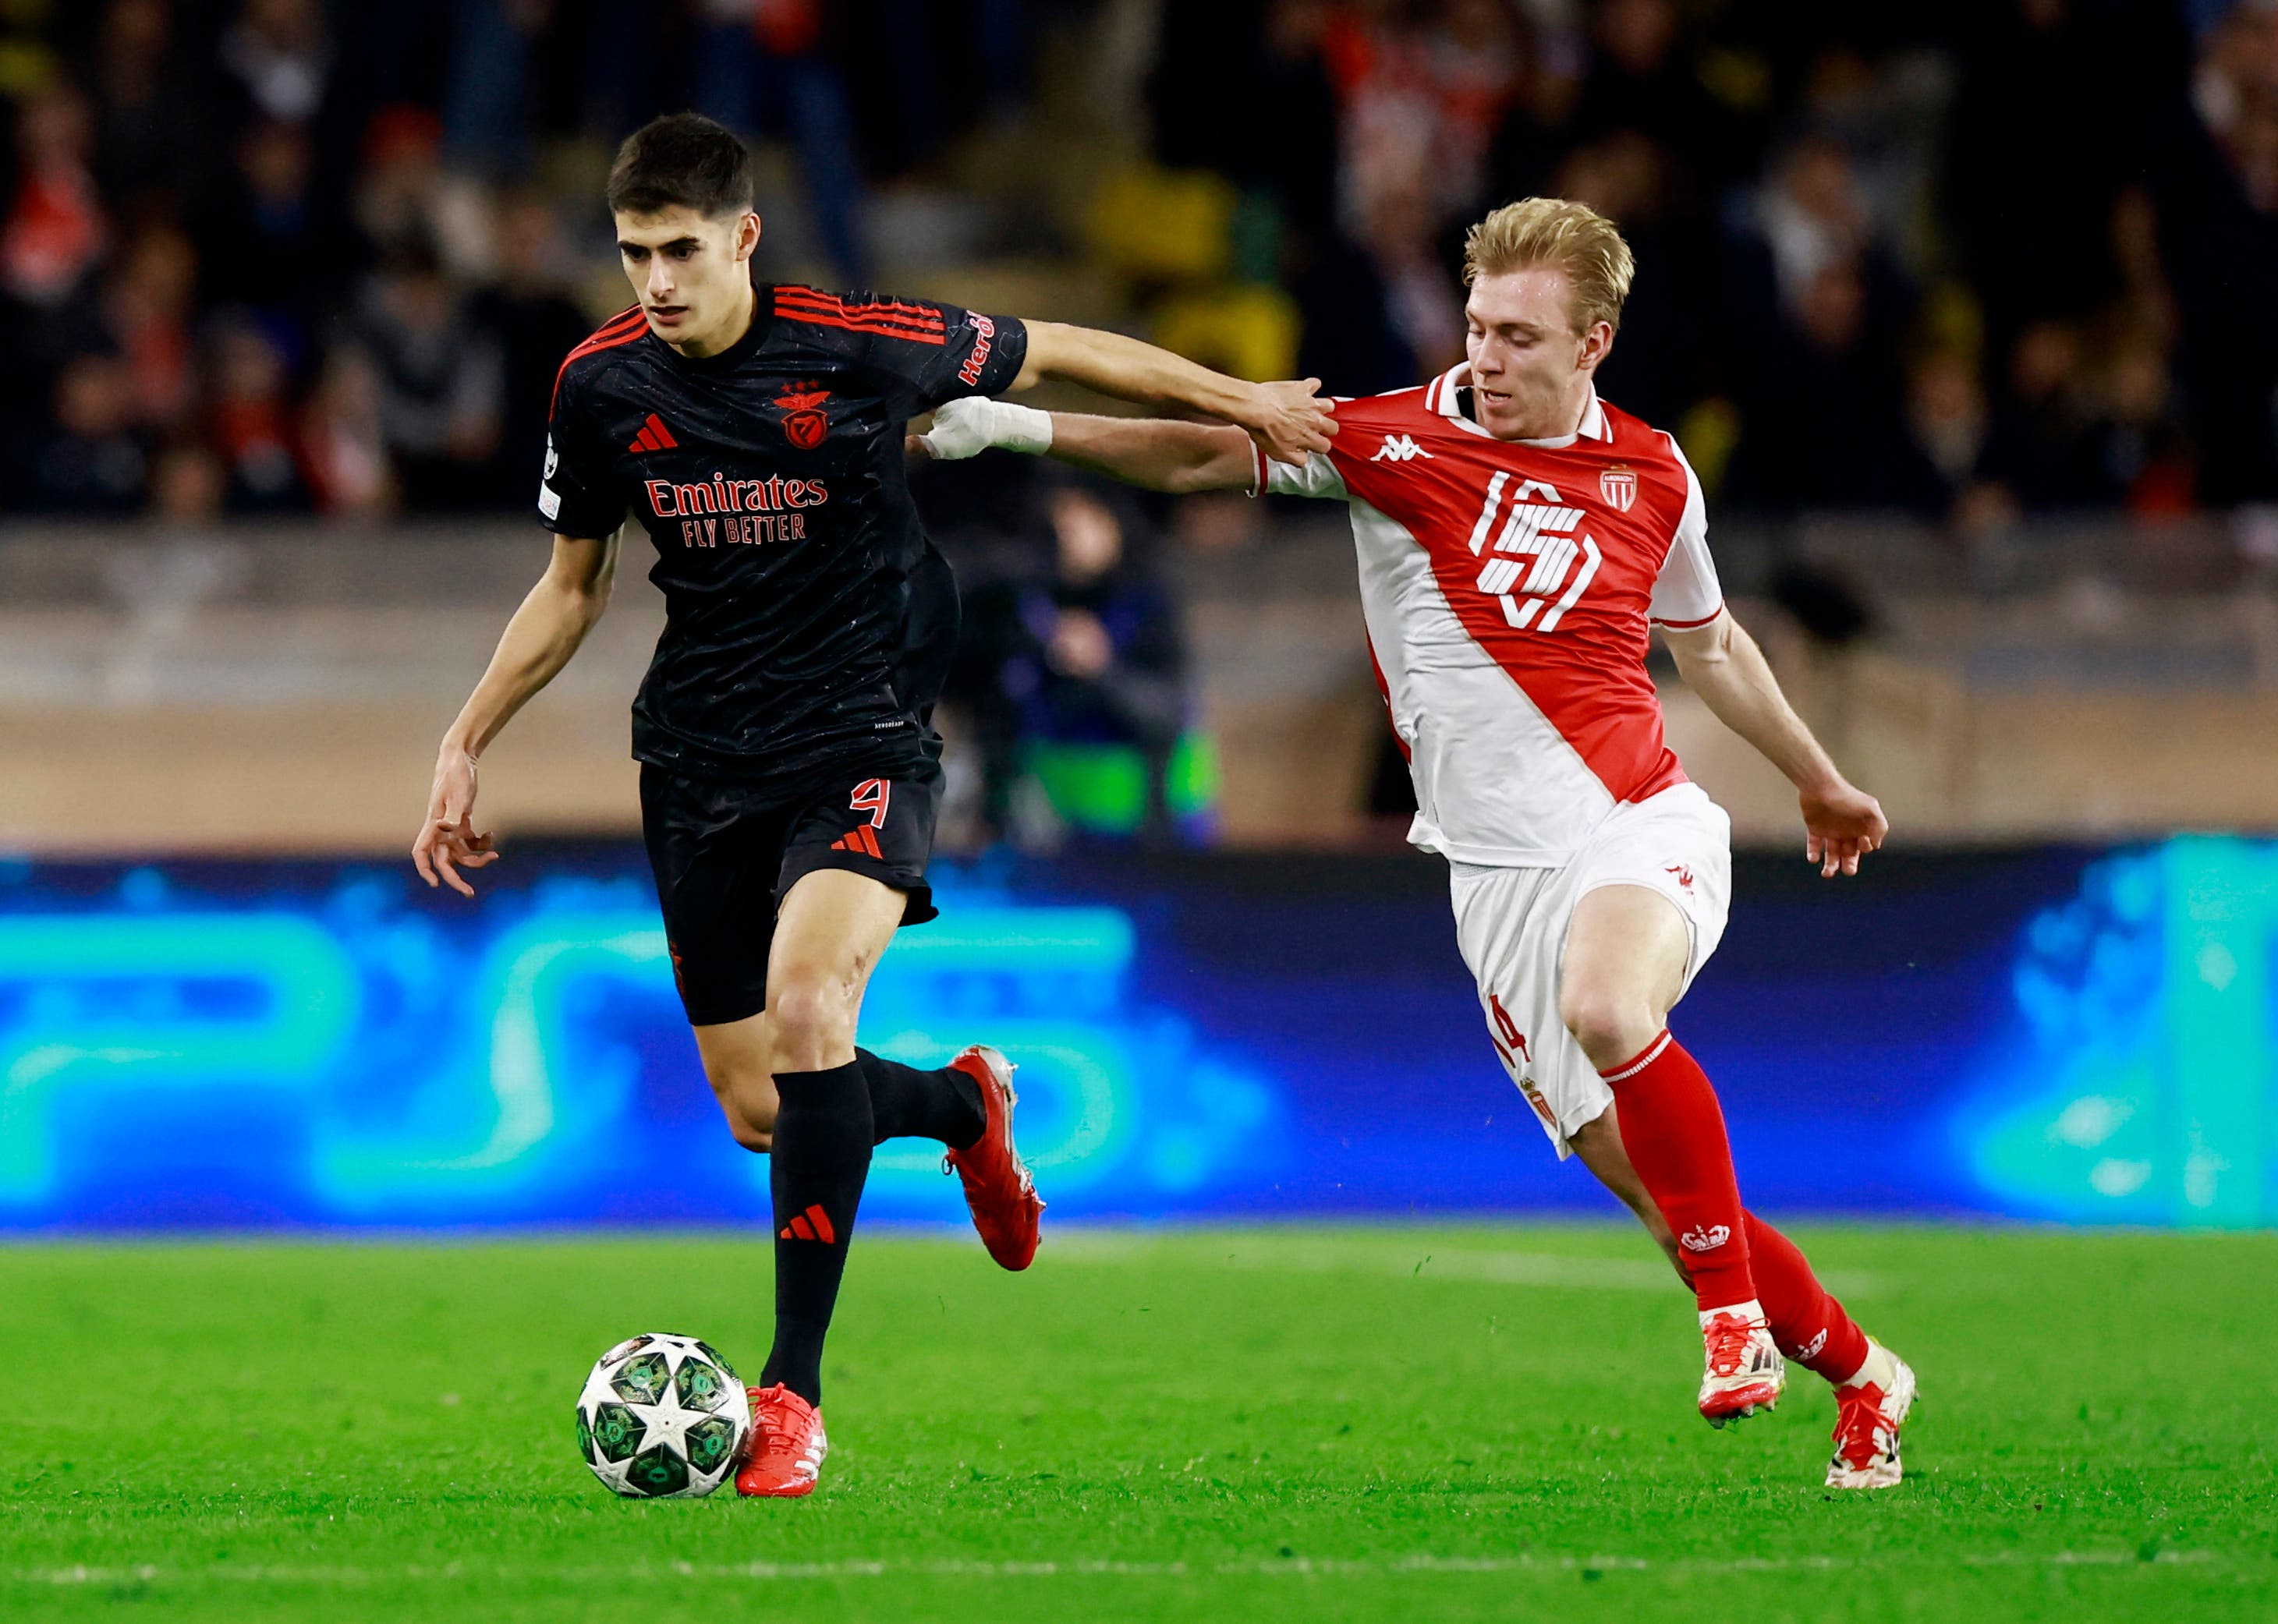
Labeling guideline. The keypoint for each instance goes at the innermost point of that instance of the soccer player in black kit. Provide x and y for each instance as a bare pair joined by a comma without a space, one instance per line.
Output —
789,777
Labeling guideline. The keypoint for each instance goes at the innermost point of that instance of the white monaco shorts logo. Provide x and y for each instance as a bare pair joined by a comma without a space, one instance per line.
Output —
1537,567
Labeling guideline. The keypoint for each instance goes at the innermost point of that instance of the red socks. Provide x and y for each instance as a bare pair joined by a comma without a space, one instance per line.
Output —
1674,1135
1809,1325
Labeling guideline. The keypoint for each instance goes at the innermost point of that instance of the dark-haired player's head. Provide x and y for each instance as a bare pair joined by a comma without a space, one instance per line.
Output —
680,193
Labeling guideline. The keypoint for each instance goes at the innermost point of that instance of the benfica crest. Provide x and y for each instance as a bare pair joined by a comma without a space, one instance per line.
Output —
1618,486
804,424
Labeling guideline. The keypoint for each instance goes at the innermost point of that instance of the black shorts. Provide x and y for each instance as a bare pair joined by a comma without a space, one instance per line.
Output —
726,854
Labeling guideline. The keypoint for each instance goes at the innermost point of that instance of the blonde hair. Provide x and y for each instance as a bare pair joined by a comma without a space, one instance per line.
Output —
1567,236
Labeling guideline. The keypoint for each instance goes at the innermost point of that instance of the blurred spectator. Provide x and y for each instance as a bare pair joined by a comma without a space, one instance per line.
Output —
1640,79
2045,447
405,197
759,67
279,60
1418,100
271,241
2215,185
441,383
250,424
147,125
1660,364
2146,455
1082,670
343,444
56,228
1816,307
146,308
537,324
486,112
1822,422
187,487
94,465
2047,110
1947,417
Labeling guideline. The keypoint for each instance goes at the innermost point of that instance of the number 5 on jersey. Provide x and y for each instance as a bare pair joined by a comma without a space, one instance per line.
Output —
1532,562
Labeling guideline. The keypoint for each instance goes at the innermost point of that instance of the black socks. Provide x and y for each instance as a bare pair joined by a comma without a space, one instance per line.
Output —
821,1155
908,1103
826,1123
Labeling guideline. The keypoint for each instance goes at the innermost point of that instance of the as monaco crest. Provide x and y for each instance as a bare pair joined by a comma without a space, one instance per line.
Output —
1618,486
804,424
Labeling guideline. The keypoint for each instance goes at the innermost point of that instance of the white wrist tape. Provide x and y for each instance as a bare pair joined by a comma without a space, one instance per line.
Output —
966,428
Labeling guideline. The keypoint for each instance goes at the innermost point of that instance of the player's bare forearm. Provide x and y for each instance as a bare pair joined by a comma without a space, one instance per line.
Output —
1722,663
545,631
1158,453
538,641
1287,419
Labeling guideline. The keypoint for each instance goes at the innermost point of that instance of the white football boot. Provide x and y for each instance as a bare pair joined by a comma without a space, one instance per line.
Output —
1745,1371
1869,1411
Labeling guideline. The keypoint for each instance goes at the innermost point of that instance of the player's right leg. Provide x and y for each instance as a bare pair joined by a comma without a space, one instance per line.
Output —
1874,1387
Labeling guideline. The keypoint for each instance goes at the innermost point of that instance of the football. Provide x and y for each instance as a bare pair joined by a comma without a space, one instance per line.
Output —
662,1418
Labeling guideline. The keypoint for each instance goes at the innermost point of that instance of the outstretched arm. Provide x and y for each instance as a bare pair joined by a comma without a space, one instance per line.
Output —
538,641
1286,419
1722,663
1156,452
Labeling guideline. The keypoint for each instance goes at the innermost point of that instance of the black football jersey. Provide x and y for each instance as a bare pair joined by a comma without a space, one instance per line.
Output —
810,620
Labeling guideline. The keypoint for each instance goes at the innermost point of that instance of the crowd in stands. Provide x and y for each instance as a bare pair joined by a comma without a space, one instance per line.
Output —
277,257
1968,258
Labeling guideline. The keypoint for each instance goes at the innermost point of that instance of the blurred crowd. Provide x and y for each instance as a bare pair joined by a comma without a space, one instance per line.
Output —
1970,258
276,256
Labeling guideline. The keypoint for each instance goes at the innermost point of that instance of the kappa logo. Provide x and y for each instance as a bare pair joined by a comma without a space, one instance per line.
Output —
1703,1238
1684,874
804,424
1401,448
1618,486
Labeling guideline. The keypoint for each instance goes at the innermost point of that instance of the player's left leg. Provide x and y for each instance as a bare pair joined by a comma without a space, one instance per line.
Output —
1874,1387
829,933
1628,953
943,1104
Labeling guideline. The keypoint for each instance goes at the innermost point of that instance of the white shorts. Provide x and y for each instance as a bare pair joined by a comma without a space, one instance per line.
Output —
1512,924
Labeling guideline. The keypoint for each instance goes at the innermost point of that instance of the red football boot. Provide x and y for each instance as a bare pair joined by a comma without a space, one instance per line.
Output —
997,1187
785,1456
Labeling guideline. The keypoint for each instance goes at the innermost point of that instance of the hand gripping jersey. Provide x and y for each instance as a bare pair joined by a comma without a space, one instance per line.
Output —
810,620
1508,586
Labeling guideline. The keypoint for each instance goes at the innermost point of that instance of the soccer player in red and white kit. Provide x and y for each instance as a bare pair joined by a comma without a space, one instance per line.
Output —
1518,537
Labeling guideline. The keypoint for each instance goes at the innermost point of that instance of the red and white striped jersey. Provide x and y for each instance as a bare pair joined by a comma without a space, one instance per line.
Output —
1508,587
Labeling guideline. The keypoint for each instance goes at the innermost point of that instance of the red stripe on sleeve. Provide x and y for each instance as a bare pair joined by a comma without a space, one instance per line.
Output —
622,328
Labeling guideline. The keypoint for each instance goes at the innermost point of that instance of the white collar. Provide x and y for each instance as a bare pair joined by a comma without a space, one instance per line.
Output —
1441,396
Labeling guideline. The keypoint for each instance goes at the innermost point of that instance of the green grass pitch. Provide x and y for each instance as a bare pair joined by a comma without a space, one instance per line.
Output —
1317,1423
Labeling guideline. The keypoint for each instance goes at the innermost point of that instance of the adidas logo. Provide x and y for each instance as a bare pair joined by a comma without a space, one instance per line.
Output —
653,437
861,838
812,1224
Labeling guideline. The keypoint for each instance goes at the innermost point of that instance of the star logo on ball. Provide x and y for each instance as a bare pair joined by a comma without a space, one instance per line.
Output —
804,424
